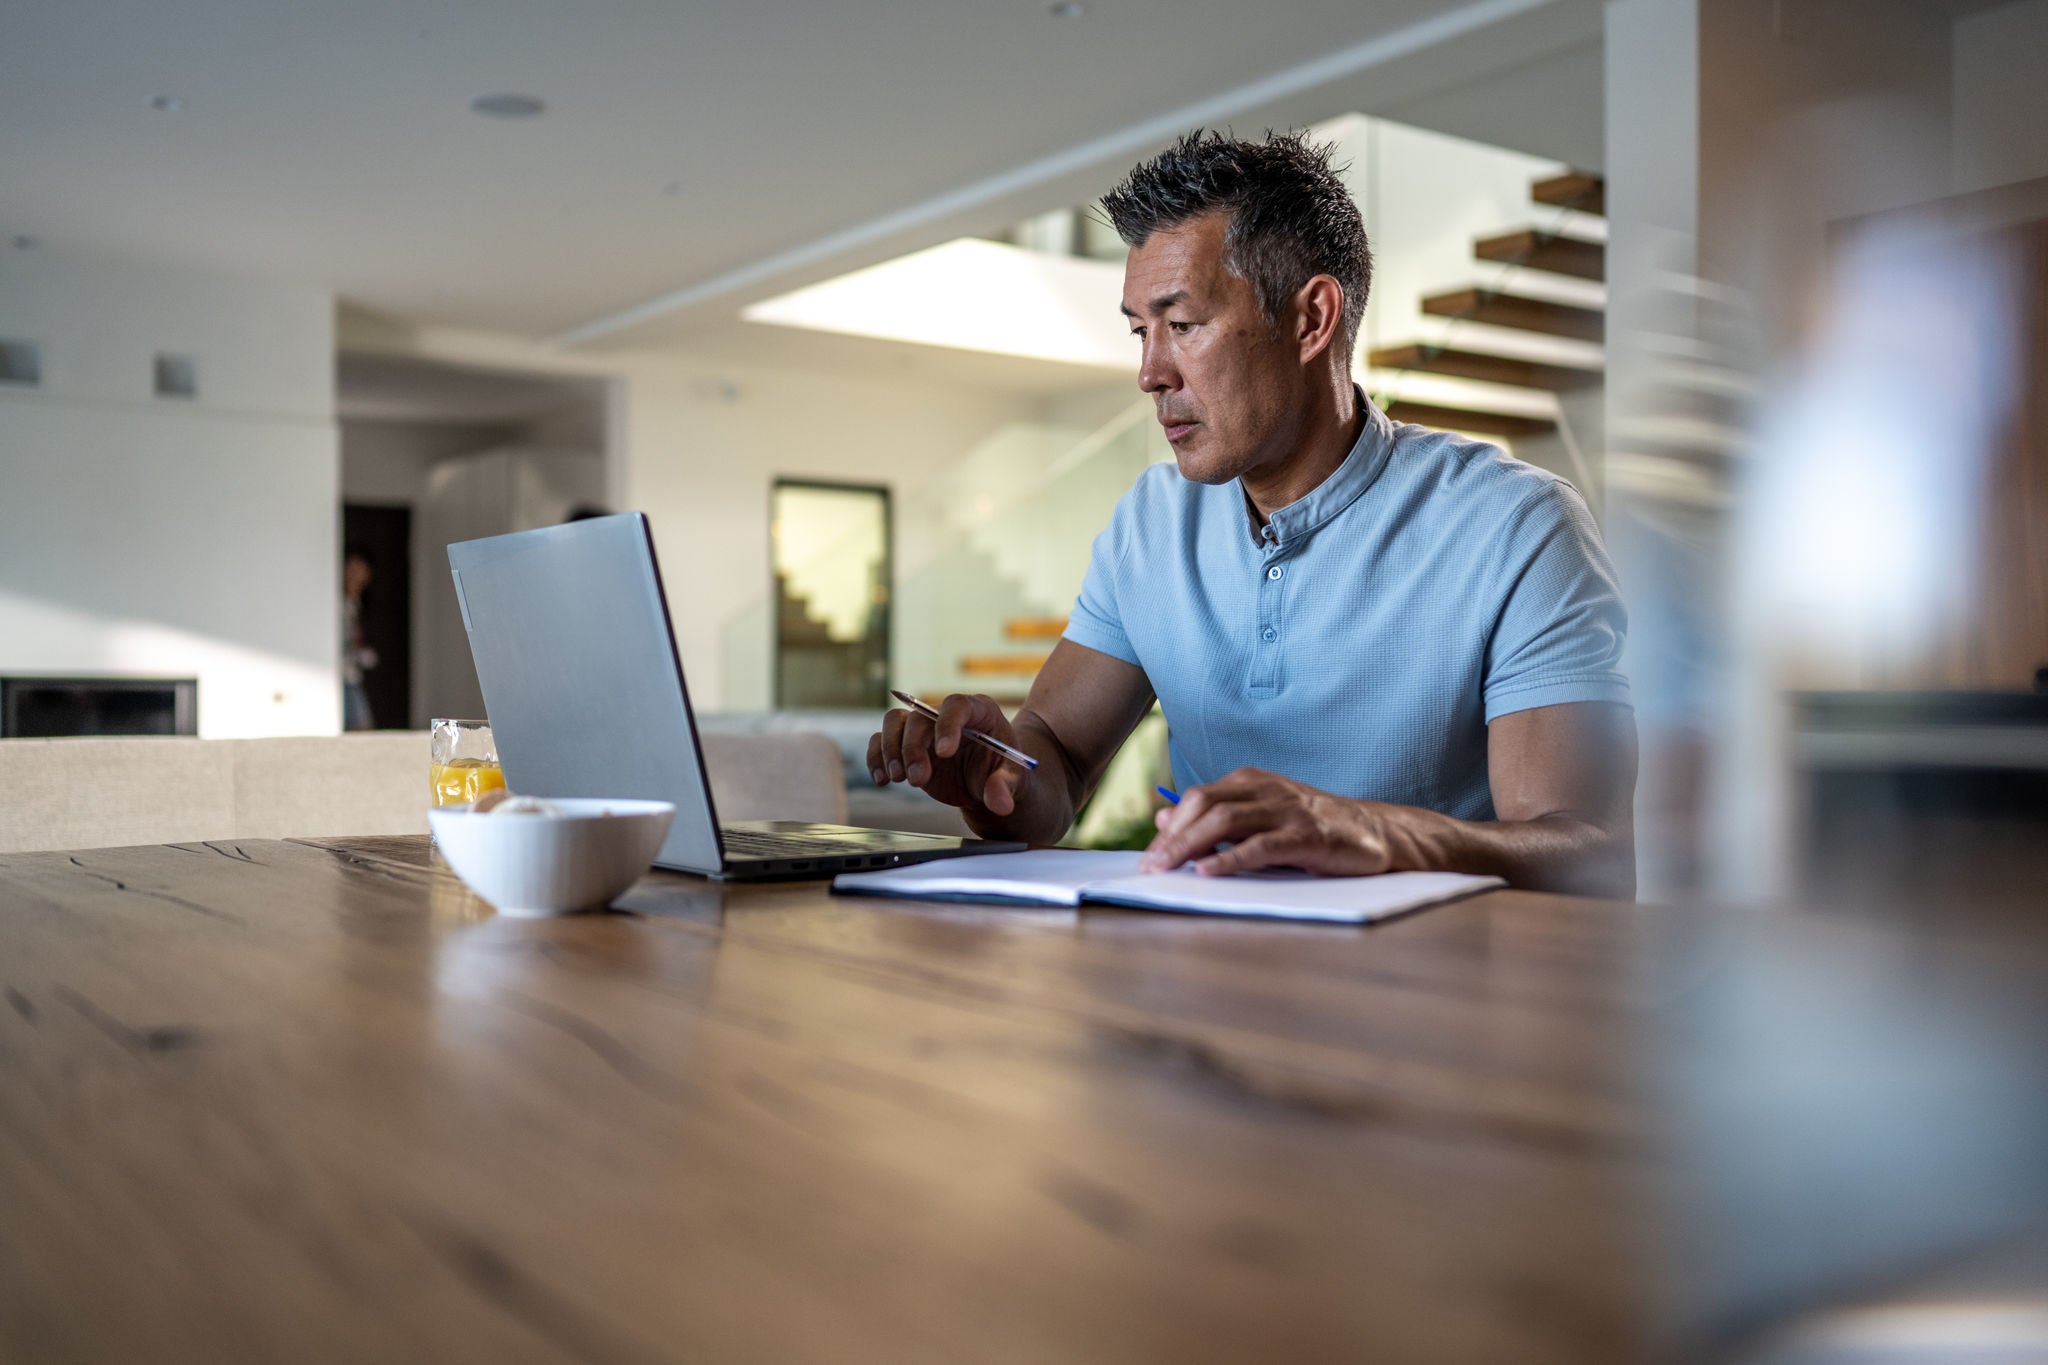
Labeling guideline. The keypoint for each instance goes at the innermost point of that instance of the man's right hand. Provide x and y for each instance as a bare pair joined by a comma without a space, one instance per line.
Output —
1082,705
935,757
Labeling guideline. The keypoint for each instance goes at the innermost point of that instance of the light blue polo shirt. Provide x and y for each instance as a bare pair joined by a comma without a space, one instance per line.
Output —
1362,643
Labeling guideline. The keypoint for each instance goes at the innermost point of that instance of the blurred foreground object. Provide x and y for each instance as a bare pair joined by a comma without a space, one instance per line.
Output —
1858,1139
1891,548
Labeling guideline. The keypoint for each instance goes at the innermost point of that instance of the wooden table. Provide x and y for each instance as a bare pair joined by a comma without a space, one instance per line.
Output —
312,1101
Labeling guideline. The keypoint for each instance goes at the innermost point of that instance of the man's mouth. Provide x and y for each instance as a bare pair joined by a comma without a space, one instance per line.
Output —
1177,427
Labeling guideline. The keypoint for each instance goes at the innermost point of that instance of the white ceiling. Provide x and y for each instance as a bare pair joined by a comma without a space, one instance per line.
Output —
733,150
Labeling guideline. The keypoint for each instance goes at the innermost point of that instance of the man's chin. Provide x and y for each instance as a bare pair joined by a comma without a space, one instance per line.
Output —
1199,467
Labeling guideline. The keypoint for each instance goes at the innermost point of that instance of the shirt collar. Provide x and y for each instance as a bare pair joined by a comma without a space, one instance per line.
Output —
1369,454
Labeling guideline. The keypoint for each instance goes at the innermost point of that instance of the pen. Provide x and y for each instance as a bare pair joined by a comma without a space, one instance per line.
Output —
1017,756
1169,793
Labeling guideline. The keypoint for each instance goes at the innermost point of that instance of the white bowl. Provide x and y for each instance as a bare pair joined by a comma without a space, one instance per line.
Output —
582,859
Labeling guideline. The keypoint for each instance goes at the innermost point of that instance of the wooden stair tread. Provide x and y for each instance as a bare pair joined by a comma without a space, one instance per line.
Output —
1035,628
1001,663
1516,311
1480,365
1470,419
1581,190
1533,250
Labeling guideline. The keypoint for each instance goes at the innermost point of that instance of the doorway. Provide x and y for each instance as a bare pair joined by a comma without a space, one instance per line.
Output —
383,537
833,569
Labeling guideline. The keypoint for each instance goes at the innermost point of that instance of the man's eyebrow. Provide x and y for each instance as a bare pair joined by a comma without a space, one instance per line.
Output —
1164,301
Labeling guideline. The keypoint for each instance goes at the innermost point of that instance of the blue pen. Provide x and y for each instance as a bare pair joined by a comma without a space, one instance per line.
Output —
1169,793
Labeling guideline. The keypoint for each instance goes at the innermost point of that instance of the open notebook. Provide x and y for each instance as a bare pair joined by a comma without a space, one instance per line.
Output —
1072,876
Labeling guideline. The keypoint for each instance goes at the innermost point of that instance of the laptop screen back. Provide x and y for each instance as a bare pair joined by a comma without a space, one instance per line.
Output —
570,634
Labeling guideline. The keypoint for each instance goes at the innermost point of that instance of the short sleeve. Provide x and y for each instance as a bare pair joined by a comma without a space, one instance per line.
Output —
1097,619
1561,627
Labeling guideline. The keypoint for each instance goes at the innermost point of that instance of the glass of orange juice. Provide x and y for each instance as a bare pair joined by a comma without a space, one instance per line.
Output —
463,762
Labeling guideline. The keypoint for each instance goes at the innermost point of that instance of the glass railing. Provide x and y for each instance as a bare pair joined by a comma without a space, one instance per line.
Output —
1019,516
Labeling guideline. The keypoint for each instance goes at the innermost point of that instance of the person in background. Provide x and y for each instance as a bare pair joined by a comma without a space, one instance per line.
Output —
356,657
1378,647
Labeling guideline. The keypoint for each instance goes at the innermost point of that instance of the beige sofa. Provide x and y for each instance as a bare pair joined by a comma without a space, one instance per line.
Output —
97,793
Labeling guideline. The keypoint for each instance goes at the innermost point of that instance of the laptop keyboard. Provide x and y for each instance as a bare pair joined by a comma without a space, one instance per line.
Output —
758,844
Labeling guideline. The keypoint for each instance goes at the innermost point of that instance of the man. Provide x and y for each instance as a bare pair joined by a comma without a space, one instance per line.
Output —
1378,647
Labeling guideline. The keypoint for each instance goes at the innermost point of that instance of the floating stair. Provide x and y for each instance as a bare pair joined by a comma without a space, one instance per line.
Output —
1470,419
1573,190
1442,404
1517,311
1020,664
1480,365
1544,251
1002,665
1035,627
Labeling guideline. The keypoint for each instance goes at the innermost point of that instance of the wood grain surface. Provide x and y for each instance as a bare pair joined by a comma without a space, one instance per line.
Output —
315,1102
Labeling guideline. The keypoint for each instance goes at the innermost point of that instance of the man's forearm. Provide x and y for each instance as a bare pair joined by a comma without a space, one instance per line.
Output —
1563,852
1048,797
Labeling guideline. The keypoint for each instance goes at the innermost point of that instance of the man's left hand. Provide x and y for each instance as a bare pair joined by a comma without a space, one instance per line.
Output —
1273,821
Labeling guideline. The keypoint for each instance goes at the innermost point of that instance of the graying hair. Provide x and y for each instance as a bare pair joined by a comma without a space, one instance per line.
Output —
1291,218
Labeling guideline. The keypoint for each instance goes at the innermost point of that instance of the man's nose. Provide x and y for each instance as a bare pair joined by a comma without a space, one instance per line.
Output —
1156,371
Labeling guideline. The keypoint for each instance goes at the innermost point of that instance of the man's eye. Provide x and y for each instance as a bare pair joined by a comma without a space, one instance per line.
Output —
1137,331
1180,328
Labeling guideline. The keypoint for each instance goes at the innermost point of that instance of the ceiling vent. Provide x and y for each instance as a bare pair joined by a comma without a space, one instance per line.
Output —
177,376
21,363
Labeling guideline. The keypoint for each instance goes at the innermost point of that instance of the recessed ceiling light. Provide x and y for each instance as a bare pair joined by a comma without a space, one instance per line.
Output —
168,104
507,106
1066,9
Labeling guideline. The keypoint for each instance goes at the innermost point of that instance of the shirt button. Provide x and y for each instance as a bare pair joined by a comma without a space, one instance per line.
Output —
1273,572
1269,635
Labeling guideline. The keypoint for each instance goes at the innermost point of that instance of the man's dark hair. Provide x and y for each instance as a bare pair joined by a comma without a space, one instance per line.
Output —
1291,218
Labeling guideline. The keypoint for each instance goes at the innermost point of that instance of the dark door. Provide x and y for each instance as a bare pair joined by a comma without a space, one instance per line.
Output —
384,536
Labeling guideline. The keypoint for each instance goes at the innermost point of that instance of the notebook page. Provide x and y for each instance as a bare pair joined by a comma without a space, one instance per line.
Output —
1046,876
1290,895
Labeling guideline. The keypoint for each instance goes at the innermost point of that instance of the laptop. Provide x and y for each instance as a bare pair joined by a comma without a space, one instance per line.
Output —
569,629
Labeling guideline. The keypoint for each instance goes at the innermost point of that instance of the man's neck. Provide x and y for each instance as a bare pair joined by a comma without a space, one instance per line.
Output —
1332,432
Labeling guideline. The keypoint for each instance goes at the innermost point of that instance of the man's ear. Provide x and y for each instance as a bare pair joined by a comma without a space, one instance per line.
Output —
1318,316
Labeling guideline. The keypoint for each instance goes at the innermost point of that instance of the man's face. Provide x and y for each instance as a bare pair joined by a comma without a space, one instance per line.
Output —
1229,385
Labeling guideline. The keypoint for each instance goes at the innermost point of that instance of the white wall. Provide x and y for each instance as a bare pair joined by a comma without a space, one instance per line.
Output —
171,537
2001,100
388,462
704,442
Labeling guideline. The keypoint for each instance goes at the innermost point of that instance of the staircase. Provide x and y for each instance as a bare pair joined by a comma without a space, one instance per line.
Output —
1012,669
1526,255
